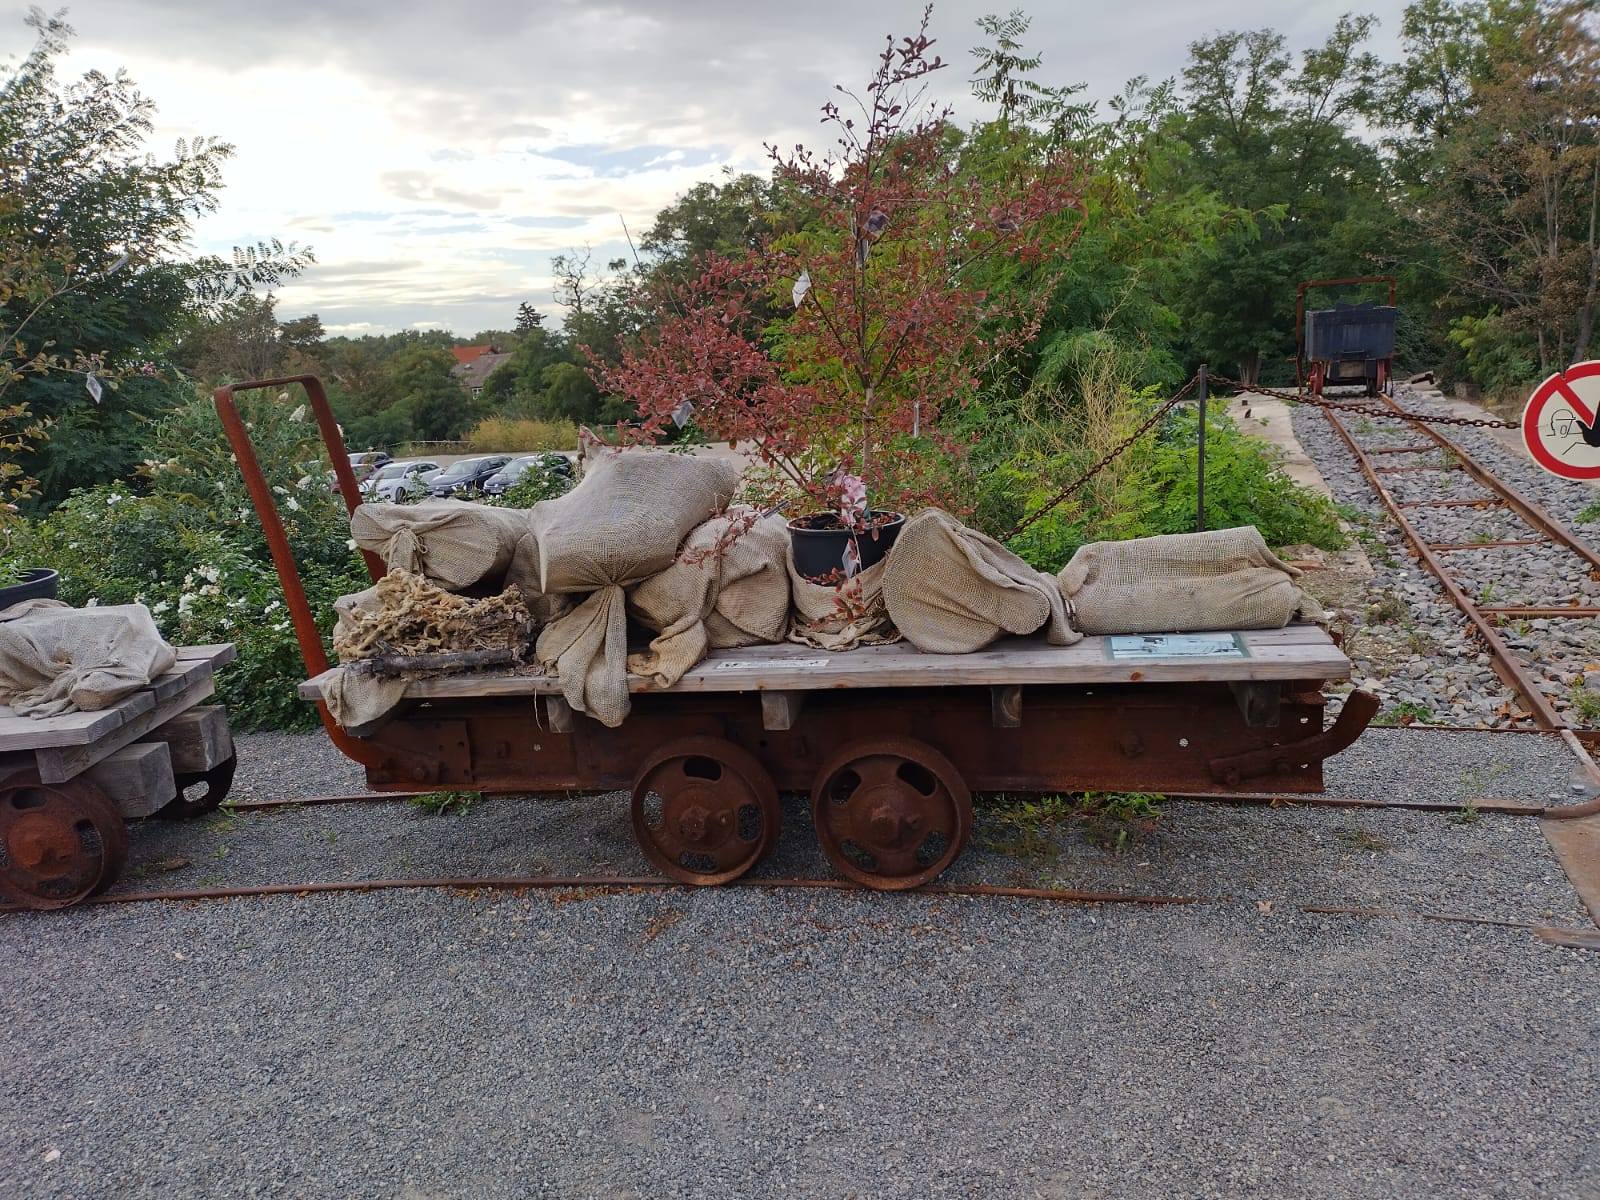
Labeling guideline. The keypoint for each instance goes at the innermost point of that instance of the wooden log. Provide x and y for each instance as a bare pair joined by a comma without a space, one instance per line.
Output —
390,665
138,779
779,709
197,740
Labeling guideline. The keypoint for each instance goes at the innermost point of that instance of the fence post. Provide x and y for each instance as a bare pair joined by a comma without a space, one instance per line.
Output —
1200,458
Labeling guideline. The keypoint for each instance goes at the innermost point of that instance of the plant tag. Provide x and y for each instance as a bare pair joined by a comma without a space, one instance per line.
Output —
681,414
94,387
851,559
801,287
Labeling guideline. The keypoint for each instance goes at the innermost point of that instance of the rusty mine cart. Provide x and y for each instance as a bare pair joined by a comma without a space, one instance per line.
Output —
888,741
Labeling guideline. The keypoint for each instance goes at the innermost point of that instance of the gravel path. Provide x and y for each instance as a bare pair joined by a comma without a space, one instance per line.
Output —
1410,643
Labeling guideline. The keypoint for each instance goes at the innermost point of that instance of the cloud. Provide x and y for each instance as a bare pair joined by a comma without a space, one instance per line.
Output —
463,147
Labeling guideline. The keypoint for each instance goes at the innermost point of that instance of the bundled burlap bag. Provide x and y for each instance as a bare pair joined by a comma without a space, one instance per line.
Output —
451,542
622,524
952,590
727,587
55,659
1178,582
843,617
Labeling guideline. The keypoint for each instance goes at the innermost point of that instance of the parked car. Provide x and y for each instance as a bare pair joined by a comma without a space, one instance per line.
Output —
398,482
461,478
514,470
363,463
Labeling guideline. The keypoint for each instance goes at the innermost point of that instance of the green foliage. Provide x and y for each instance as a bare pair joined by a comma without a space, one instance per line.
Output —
187,544
442,804
1493,355
1031,827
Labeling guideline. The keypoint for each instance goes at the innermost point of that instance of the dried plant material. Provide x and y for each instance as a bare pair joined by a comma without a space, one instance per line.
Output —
404,614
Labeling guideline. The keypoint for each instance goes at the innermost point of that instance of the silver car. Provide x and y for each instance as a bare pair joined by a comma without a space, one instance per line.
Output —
400,482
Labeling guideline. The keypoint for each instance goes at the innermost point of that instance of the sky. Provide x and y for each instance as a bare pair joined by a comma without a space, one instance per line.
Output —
435,157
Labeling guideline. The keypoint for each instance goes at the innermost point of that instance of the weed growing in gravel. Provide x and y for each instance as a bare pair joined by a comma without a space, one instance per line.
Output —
1387,610
1585,703
1365,527
1475,780
1360,839
1467,815
1405,713
1029,827
1588,513
441,803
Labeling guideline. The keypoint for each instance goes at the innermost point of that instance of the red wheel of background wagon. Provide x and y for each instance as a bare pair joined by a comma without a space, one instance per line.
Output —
1553,420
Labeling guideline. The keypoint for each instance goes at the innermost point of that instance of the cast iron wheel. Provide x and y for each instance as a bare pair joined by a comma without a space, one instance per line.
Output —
891,813
704,811
217,782
59,842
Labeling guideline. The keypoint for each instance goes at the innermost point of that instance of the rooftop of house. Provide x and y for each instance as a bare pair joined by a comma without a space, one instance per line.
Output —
472,372
465,354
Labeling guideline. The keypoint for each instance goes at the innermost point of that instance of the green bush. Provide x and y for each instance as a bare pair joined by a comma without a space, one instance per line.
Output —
191,549
541,481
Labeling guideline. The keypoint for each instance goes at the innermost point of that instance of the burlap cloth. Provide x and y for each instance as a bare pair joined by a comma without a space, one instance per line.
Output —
451,542
952,590
622,524
727,587
843,617
55,659
1220,579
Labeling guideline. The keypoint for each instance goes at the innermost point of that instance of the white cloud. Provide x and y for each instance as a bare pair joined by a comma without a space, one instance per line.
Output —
435,159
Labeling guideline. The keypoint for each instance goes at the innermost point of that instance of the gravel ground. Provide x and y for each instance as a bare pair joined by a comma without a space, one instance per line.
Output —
1409,643
741,1043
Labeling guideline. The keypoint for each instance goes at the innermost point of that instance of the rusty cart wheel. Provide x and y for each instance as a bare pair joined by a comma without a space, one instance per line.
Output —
59,842
217,782
891,813
704,810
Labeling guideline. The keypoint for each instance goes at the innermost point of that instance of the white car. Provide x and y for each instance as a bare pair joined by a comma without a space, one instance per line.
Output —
399,482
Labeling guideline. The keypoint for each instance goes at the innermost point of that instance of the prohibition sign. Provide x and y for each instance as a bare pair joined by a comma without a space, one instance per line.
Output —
1561,423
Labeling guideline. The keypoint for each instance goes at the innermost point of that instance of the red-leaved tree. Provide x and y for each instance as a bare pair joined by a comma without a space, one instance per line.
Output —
883,324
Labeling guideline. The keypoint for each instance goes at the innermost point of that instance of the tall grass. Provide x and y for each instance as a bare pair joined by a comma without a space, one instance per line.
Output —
520,434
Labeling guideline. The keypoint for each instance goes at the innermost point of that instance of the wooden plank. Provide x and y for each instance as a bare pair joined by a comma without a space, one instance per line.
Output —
219,655
779,709
60,763
1005,706
1303,652
197,740
83,728
137,778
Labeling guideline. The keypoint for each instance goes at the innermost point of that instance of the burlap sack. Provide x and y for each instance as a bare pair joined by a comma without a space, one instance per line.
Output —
55,659
843,617
622,524
1178,582
451,542
952,590
727,587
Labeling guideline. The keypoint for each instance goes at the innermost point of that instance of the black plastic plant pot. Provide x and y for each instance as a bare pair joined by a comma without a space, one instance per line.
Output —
819,541
38,583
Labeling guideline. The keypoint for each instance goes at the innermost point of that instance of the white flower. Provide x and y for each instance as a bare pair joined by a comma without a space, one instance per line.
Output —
302,483
292,504
91,602
270,607
185,603
188,581
351,542
113,499
208,573
161,607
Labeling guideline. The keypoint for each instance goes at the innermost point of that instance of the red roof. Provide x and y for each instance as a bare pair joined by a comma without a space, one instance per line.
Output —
465,354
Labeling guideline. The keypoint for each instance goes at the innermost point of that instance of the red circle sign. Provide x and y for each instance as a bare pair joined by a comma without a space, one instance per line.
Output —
1559,424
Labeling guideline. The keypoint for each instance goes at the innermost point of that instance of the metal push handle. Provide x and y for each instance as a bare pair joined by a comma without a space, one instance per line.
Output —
255,482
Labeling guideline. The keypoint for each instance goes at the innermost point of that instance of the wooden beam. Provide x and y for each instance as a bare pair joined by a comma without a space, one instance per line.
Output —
779,709
197,740
1005,705
137,778
57,764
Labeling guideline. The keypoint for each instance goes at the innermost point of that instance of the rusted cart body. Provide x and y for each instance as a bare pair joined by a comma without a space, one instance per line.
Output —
68,782
1347,344
888,741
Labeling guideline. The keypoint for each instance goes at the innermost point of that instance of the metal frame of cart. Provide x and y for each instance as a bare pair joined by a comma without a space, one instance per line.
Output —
889,742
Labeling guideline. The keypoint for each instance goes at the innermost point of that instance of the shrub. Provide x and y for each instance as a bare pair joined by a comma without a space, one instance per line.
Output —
525,435
542,481
192,551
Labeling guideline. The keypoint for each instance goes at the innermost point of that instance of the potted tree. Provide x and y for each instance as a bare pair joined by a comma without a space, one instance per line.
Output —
832,346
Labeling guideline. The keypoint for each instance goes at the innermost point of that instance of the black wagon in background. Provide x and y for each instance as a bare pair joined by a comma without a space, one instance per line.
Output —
1348,344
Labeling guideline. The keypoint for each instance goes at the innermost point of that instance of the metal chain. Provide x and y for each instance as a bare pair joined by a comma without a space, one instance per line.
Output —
1368,410
1106,459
